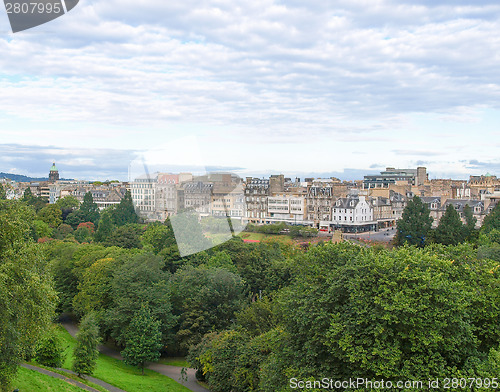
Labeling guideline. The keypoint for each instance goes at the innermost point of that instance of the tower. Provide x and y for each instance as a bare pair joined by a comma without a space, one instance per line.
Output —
54,173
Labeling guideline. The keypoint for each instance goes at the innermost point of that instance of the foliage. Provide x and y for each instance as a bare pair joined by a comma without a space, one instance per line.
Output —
450,230
143,339
75,218
105,227
124,213
68,203
89,225
140,279
37,202
204,299
159,236
94,290
62,231
86,352
26,294
50,350
89,209
42,229
470,232
83,234
491,221
414,225
3,194
128,236
50,214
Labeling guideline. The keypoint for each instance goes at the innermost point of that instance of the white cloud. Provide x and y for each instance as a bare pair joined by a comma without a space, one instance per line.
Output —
272,71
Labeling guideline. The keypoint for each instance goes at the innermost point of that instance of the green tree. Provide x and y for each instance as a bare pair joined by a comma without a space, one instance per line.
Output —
83,235
3,194
450,230
128,236
89,209
491,221
28,196
62,231
124,213
51,214
50,350
414,225
27,296
204,299
42,229
94,290
68,203
105,227
140,279
159,236
470,232
75,218
86,351
143,339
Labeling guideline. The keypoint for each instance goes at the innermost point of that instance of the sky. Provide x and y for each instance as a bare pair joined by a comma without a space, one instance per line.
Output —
300,87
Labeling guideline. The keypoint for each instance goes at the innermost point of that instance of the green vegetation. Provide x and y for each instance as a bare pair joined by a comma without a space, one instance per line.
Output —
26,293
85,353
32,381
251,315
49,351
415,224
121,375
143,339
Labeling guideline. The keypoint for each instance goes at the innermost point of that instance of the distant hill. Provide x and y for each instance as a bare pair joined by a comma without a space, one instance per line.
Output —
23,178
20,177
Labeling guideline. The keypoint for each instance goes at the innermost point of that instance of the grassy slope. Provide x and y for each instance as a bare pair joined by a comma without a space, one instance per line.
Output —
123,376
30,381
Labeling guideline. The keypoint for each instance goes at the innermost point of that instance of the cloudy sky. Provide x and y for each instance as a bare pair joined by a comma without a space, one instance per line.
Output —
296,86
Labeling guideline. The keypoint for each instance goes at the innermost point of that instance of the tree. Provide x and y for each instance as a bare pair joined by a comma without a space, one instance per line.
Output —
124,212
204,299
3,194
470,232
75,218
50,350
67,204
42,229
27,297
159,236
89,208
491,221
62,231
105,227
414,225
143,339
36,202
450,230
51,214
83,234
128,236
140,279
86,352
28,196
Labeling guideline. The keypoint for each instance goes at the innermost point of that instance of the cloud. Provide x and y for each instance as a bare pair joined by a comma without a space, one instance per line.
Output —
417,152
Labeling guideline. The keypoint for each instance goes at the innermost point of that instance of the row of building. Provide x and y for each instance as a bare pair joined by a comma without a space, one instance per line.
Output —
327,204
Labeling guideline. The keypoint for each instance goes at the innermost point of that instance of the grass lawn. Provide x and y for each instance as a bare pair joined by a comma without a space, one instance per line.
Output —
28,380
174,361
117,373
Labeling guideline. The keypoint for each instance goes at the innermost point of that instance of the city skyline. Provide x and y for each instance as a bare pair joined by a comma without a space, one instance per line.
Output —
299,87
